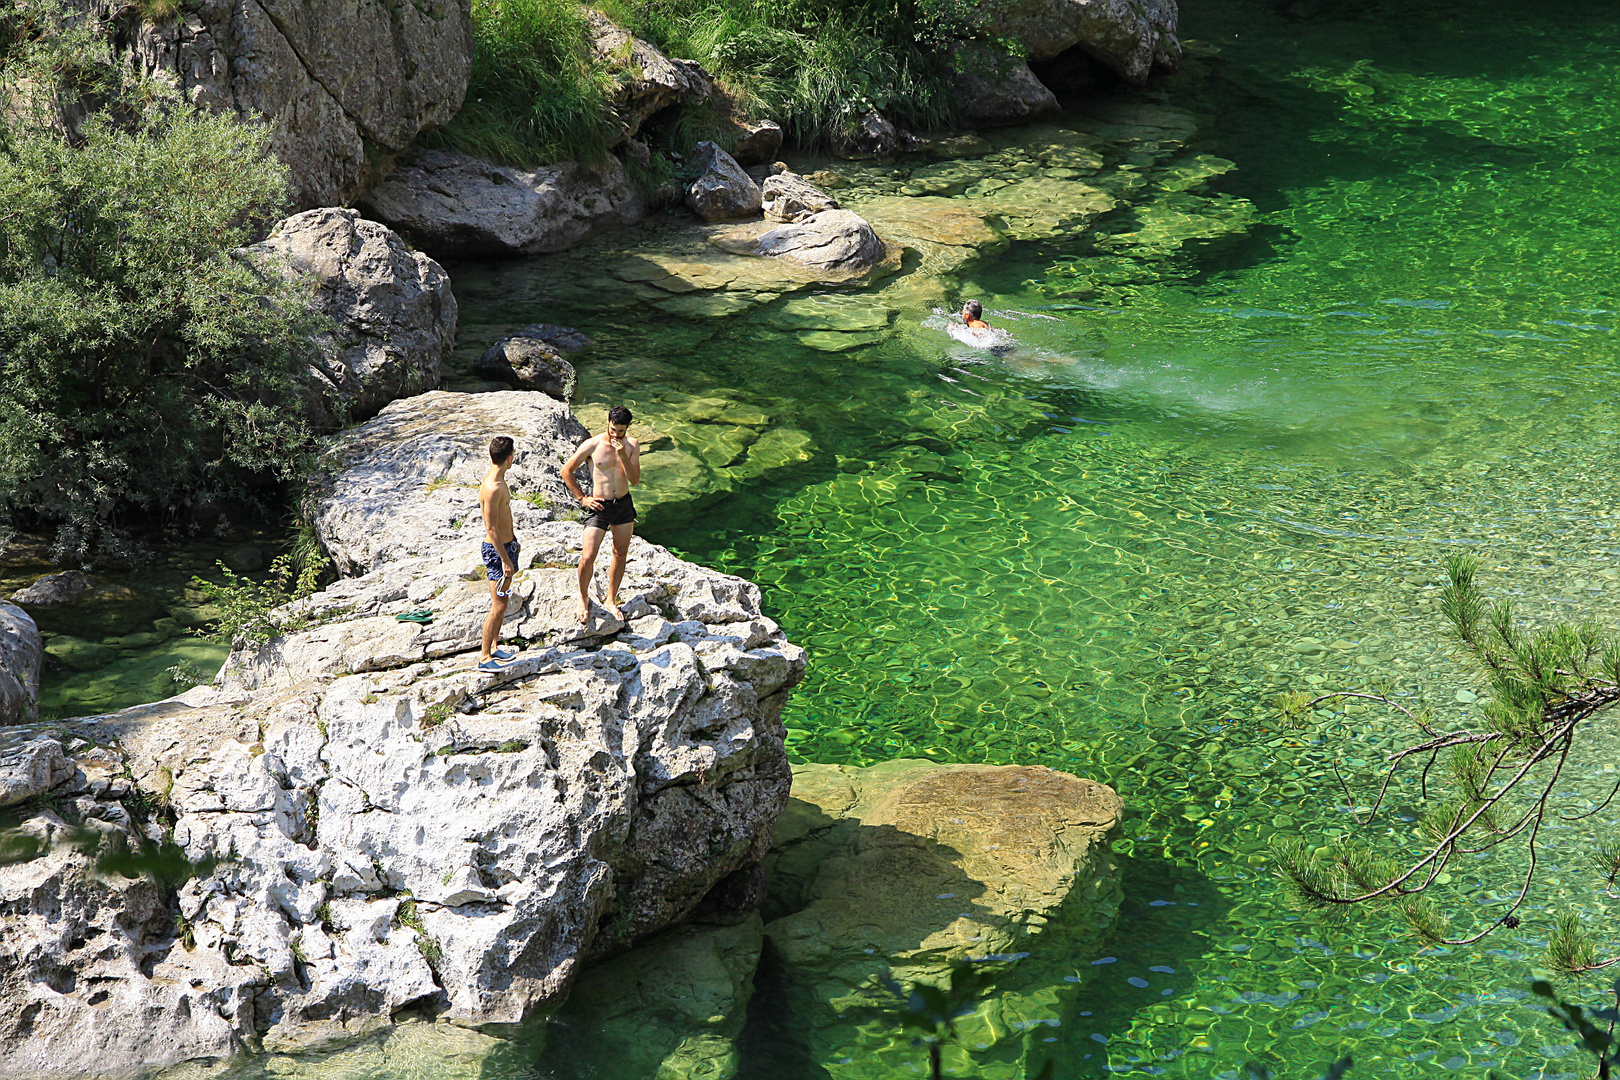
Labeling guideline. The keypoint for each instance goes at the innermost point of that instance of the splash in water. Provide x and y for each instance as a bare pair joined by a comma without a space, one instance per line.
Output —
990,338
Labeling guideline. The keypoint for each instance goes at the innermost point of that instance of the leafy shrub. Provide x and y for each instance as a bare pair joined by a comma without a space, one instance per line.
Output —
248,609
813,65
143,366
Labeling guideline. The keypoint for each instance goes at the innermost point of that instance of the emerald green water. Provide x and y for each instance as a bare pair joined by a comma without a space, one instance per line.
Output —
1208,473
1098,551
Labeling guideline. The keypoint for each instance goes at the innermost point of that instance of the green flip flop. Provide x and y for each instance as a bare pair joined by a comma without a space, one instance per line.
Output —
420,615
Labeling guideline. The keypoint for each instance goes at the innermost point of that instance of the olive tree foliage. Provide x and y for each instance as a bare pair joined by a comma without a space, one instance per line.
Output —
1482,789
144,364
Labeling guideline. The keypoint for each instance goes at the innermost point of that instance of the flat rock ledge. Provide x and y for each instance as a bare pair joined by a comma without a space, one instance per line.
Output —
375,827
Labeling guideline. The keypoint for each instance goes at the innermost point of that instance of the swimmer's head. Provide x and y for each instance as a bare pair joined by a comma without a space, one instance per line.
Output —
972,309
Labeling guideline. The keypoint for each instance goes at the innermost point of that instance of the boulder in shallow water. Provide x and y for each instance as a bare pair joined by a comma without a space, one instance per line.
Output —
907,866
527,363
391,308
722,191
839,240
20,655
670,1008
789,197
73,602
869,136
756,142
451,204
993,89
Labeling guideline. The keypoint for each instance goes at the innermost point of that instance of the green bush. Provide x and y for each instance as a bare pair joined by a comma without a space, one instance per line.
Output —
536,96
143,366
248,609
813,65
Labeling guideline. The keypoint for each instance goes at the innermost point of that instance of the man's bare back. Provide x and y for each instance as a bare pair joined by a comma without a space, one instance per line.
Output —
495,498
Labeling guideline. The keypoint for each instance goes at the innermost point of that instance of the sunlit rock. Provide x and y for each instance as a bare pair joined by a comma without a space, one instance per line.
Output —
907,866
392,314
722,191
20,656
451,204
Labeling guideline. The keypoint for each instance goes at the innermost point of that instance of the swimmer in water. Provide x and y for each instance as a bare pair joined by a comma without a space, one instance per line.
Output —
970,315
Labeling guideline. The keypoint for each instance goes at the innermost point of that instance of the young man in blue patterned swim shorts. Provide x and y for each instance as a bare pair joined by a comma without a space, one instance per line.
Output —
500,549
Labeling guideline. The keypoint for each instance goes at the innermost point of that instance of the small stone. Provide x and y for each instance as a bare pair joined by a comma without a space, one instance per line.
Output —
1308,647
1465,697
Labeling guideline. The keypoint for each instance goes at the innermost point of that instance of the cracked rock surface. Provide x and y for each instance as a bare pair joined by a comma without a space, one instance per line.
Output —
375,825
344,87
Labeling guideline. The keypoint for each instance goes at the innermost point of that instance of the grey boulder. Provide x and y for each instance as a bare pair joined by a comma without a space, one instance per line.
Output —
645,81
1131,37
406,481
789,197
993,88
343,87
393,316
722,191
450,204
526,363
869,136
21,653
838,240
756,141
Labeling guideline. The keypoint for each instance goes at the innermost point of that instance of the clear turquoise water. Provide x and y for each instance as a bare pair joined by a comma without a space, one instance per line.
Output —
1094,553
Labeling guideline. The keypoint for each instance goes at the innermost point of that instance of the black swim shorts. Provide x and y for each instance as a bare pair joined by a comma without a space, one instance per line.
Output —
492,559
620,511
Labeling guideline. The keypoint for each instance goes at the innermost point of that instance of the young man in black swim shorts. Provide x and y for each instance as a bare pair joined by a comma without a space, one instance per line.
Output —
500,549
615,468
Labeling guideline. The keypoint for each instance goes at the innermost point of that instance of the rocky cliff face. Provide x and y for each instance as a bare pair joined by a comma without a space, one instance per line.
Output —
343,86
372,824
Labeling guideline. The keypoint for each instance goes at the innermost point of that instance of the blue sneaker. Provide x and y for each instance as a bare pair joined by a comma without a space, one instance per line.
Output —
503,655
491,665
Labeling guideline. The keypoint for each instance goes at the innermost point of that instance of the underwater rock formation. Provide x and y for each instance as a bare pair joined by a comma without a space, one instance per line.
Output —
908,865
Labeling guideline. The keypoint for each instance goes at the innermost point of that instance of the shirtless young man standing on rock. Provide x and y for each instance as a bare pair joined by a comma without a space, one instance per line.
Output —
500,549
615,468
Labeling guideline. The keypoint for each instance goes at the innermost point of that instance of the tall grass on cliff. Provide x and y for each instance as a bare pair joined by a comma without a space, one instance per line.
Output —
536,95
814,65
143,366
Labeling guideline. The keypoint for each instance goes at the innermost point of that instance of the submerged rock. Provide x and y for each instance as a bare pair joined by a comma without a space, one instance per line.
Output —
527,364
722,191
454,205
838,240
343,87
789,197
670,1008
73,602
20,655
907,866
391,308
